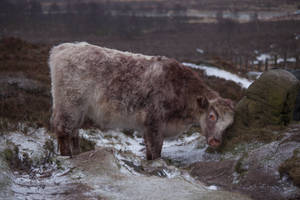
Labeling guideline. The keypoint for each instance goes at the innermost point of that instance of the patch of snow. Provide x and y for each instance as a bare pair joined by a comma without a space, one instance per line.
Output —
254,75
288,60
182,140
263,57
31,143
115,139
236,177
201,51
213,71
212,187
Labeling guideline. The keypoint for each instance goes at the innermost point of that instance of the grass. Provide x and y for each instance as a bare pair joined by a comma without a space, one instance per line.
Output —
24,61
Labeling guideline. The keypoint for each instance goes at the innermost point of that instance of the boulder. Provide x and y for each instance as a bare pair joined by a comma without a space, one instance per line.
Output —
270,100
296,73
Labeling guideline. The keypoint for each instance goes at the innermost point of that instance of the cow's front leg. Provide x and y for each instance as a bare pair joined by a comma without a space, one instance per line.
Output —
75,143
64,146
65,128
153,141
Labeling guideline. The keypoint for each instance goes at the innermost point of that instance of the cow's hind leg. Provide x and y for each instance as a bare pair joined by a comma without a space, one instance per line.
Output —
154,142
75,143
69,144
65,127
64,145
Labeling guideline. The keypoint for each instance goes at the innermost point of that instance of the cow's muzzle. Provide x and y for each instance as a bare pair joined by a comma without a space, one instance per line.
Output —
214,142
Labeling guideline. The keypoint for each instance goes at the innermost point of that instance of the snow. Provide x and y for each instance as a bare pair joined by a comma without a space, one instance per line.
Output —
288,60
252,75
212,187
201,51
263,57
213,71
115,139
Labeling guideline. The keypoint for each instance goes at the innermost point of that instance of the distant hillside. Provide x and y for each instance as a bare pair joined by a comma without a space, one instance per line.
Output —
241,5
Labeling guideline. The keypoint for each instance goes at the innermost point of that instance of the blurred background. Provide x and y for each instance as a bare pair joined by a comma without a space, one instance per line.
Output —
241,35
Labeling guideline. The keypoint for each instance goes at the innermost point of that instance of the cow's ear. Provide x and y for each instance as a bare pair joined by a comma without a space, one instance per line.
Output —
202,102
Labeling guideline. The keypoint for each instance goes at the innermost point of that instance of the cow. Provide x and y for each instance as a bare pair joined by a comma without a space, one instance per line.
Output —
154,95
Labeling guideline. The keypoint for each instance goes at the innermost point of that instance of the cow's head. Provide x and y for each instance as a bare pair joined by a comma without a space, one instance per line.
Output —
217,117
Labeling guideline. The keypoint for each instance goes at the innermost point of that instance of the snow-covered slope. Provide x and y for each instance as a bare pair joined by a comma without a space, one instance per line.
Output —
213,71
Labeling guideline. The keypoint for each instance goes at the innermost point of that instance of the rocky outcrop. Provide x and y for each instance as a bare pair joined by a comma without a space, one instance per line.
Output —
269,101
268,105
296,73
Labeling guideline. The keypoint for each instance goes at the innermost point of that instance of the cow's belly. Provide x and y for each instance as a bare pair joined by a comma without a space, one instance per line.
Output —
108,116
174,129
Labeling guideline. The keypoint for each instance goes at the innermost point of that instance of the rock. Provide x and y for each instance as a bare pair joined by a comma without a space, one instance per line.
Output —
296,73
101,172
215,172
270,100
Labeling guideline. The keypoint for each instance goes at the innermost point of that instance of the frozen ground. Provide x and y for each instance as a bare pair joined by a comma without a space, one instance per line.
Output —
116,169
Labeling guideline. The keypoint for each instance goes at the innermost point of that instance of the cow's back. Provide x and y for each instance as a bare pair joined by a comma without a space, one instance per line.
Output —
102,83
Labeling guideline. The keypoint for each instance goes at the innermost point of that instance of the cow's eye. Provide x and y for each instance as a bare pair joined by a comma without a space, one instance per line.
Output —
212,117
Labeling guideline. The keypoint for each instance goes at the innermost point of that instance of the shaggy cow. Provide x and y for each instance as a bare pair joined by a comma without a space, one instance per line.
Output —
156,96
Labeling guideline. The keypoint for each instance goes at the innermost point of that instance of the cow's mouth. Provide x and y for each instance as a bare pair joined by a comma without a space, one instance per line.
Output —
213,142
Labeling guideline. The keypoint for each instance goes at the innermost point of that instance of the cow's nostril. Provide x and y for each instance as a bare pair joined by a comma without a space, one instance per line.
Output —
213,142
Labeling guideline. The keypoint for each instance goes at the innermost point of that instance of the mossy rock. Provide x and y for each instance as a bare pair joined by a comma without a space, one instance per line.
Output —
270,100
267,107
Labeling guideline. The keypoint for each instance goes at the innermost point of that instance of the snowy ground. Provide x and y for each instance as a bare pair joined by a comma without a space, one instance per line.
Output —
56,180
213,71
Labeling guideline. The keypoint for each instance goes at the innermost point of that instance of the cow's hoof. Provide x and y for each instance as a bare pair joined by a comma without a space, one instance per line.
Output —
64,146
